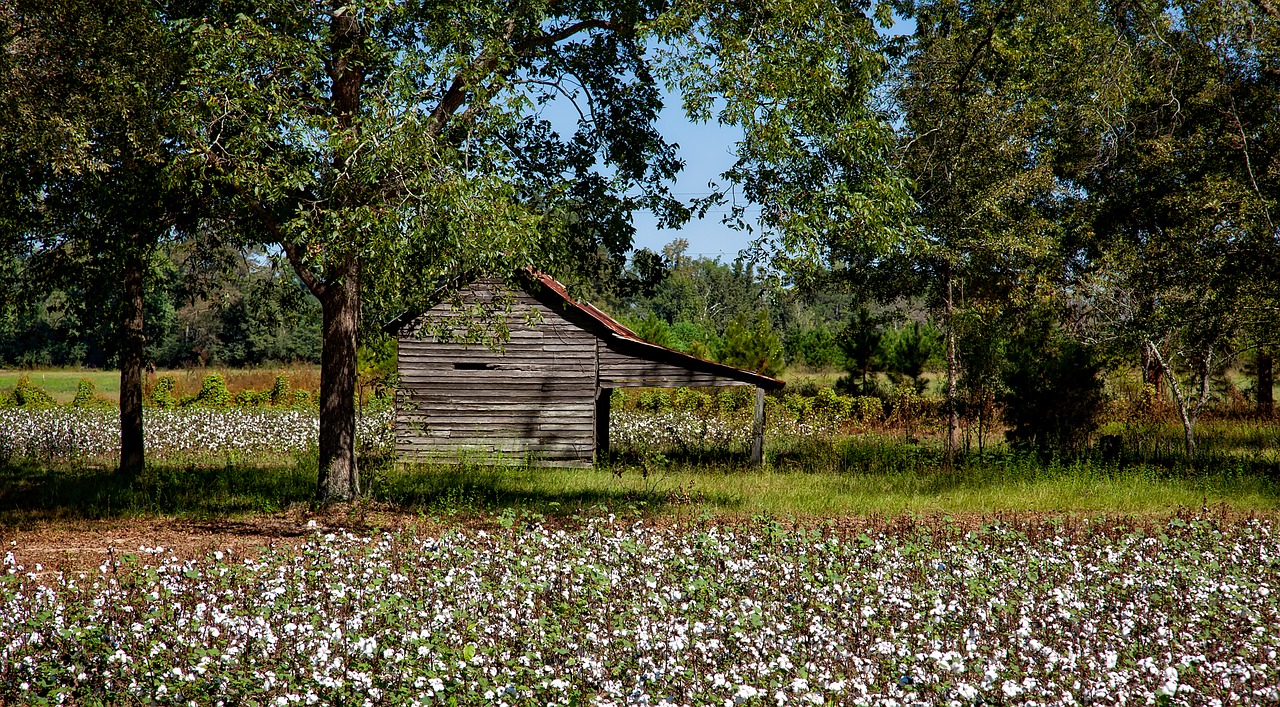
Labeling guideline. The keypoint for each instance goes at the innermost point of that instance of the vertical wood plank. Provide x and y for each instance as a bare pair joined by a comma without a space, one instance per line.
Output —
757,430
603,396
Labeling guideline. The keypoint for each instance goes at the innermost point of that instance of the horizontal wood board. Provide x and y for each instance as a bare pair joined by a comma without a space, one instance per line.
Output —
532,398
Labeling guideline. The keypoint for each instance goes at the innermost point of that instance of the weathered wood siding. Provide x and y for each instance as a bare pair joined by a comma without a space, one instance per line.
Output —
626,369
536,398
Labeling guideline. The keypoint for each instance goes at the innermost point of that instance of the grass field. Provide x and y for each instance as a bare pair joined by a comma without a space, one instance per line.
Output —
61,383
36,494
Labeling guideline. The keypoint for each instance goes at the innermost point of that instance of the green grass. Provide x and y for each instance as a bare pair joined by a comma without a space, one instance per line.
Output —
845,478
61,384
1082,488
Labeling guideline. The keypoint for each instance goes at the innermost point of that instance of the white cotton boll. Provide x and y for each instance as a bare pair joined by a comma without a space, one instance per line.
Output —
746,692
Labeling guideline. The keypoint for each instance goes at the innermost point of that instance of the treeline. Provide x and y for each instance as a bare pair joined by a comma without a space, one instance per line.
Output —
255,314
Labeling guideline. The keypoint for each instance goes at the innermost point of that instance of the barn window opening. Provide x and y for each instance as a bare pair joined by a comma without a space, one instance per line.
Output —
472,366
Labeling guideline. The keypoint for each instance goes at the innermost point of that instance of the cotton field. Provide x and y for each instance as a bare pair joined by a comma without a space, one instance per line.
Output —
609,613
64,433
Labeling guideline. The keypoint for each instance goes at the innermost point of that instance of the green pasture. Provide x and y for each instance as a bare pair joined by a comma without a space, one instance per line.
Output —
853,477
61,384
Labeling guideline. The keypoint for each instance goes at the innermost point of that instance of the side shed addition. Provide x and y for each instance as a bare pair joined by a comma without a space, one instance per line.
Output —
545,397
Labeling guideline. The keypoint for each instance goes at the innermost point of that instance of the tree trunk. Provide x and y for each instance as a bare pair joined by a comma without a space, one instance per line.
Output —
1152,372
339,478
1266,384
1187,410
953,417
132,351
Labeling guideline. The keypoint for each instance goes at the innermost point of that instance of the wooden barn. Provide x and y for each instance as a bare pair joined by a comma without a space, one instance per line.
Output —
543,398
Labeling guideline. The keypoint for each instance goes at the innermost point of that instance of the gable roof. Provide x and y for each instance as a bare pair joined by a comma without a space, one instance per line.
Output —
555,296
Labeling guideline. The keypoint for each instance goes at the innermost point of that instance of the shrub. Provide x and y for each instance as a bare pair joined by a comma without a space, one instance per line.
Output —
87,397
690,400
653,401
739,397
797,405
866,409
162,393
828,404
213,393
280,391
1054,395
27,395
252,398
302,399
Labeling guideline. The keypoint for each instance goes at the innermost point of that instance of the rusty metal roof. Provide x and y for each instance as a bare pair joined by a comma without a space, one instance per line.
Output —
617,329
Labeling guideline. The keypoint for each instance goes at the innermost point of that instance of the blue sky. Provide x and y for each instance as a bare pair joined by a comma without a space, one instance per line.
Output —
707,150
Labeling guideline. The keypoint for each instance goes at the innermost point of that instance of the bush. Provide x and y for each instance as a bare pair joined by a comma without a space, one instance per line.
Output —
797,405
1054,393
691,400
830,405
739,397
162,393
280,391
302,400
87,397
27,395
653,401
252,398
213,393
866,410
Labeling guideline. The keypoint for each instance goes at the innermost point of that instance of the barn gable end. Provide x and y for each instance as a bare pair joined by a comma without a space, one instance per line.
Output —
536,397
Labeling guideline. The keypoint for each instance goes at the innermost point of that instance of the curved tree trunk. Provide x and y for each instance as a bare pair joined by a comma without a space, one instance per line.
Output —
132,352
339,478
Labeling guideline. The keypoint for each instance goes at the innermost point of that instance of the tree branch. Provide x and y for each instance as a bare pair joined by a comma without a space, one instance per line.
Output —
485,64
308,278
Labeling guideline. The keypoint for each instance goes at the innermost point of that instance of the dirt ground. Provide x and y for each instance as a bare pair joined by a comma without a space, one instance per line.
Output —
85,544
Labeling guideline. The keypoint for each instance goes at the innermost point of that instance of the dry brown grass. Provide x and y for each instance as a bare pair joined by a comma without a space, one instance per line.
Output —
301,376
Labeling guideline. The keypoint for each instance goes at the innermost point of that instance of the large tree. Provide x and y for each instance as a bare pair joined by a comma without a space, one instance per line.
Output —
392,149
801,81
1002,102
1186,241
91,171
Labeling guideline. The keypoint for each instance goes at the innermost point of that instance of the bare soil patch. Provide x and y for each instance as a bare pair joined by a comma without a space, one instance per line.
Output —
85,544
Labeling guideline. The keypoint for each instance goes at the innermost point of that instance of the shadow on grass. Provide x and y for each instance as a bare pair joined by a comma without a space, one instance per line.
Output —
40,492
802,476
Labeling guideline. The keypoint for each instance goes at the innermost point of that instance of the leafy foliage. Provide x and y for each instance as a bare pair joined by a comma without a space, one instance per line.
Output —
1054,392
752,345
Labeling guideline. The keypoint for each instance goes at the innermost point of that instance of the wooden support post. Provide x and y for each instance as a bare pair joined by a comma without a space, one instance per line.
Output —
603,396
757,430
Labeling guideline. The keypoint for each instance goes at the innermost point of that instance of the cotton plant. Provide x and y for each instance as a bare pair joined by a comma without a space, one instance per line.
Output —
71,434
611,613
